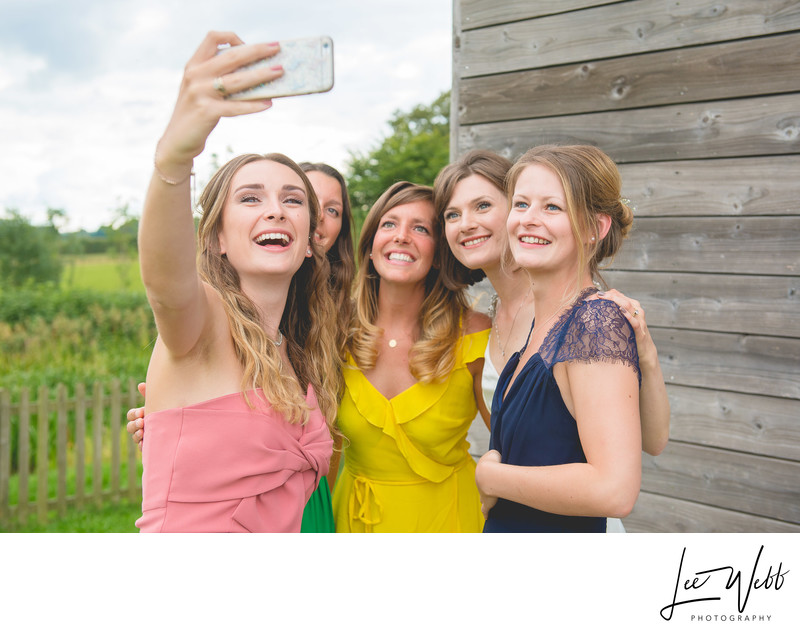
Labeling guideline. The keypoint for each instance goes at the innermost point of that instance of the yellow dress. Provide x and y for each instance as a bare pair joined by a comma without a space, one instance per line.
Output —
407,466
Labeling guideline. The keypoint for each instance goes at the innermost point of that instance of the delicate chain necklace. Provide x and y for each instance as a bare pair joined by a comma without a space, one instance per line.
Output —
494,308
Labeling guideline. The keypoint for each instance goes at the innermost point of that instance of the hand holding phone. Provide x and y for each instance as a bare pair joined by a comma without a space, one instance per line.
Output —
307,68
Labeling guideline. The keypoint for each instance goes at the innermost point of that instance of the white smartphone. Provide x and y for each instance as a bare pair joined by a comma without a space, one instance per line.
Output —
307,68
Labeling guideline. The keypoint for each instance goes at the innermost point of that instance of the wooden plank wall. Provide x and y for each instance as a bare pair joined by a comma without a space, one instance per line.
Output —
699,103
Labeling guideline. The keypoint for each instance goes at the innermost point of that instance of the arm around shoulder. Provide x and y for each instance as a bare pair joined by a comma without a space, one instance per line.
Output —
475,322
654,408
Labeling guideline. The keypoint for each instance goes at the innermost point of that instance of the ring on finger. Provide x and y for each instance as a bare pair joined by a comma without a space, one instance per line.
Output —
219,86
635,312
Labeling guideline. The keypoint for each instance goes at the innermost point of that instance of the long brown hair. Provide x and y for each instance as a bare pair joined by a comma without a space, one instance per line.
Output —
488,165
308,319
341,257
433,355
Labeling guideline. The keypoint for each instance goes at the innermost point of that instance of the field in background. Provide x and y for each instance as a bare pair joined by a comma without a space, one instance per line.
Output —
95,327
101,272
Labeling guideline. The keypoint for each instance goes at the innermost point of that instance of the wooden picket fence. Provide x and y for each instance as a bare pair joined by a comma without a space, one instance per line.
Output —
89,441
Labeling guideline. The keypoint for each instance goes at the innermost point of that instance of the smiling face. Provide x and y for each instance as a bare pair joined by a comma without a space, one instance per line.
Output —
539,227
404,245
329,193
475,223
265,221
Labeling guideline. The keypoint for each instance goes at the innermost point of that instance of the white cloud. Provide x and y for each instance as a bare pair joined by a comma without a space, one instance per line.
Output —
16,68
87,87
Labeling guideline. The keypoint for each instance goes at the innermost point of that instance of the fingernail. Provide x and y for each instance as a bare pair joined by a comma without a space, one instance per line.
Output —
601,293
276,68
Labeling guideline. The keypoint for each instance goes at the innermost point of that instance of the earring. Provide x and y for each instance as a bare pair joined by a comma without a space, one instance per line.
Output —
370,255
592,238
308,251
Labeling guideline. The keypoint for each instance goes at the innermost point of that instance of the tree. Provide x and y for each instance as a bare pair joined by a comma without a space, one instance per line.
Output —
416,150
122,232
56,219
121,238
28,253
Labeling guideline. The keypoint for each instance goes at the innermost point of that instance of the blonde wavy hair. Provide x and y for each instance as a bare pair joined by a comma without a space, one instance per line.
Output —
432,356
592,186
308,322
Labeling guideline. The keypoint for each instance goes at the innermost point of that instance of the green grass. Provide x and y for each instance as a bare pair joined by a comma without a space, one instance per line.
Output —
102,273
107,518
95,327
110,517
70,483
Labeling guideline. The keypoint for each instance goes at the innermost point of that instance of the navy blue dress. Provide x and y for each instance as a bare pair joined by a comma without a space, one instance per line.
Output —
531,425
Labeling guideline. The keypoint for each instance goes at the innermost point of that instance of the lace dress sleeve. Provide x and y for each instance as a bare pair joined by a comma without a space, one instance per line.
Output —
595,331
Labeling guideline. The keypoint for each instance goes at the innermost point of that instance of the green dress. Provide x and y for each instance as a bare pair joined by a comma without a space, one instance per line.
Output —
318,513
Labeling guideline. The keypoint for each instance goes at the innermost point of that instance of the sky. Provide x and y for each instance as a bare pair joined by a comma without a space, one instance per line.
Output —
87,88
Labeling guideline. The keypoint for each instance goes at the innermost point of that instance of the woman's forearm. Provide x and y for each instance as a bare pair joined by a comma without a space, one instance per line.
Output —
568,489
167,250
654,409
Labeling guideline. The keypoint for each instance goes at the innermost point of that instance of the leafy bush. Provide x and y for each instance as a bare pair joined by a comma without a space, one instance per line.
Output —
27,254
25,304
51,337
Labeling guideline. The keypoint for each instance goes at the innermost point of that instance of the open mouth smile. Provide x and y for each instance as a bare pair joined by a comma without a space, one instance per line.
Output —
473,242
279,239
400,256
534,240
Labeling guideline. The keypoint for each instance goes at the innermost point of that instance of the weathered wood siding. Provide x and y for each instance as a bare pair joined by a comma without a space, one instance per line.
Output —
698,101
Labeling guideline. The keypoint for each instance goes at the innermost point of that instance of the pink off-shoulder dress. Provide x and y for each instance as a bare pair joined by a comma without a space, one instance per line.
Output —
221,466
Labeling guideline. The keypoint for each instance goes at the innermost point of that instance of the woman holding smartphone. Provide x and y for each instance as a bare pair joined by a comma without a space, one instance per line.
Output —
244,372
334,236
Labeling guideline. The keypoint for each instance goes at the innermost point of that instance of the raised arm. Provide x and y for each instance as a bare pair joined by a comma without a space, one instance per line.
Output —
167,247
654,407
